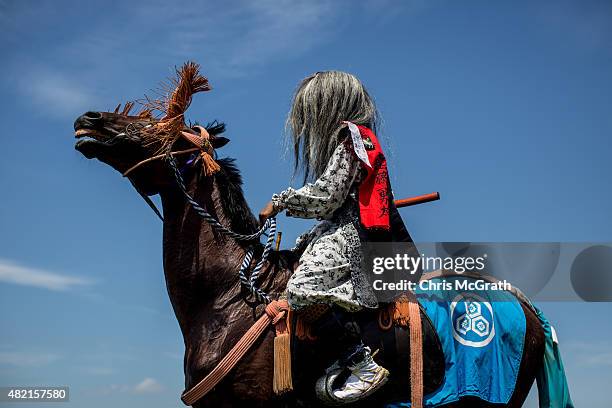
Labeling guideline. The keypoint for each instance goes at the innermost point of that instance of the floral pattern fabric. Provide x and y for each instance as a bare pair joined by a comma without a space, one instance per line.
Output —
329,270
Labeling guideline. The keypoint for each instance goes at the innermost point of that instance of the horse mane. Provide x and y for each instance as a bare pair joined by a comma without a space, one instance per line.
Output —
229,183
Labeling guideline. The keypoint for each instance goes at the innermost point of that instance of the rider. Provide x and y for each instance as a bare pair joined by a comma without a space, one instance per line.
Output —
332,123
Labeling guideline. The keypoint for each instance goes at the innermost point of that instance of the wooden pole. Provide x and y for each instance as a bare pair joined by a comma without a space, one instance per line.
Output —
425,198
279,236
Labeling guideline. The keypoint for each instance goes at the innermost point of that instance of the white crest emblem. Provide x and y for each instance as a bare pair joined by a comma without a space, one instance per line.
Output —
472,318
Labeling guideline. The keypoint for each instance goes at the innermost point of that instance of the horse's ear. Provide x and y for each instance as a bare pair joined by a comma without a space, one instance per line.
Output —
219,141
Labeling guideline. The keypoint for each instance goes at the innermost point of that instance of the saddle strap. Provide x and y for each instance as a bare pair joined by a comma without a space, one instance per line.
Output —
416,352
405,312
275,312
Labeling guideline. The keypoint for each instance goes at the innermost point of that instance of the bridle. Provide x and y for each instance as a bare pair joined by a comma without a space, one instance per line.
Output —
202,144
206,155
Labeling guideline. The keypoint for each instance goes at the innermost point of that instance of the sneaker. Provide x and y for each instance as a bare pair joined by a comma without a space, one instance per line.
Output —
366,377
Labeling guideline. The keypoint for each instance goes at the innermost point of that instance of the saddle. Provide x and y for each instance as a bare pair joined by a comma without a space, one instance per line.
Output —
386,330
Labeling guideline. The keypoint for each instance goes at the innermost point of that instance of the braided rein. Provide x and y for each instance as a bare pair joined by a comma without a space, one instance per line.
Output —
268,228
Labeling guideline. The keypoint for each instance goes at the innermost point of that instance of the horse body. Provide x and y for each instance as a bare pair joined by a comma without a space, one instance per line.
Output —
201,266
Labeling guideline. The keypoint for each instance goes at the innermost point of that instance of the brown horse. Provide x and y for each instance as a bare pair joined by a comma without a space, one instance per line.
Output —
200,266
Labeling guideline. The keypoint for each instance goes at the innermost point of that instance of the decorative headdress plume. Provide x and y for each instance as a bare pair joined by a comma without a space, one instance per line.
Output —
176,95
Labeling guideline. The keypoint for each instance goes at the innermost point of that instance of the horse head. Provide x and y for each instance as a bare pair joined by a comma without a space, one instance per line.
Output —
123,139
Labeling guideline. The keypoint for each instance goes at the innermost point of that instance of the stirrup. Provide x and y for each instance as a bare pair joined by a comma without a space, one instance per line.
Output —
324,386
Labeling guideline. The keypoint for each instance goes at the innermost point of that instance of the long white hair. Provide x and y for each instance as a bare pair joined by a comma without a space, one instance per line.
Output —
322,101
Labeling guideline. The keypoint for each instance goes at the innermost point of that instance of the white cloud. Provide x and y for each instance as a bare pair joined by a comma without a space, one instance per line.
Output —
54,93
600,359
27,359
585,27
148,386
242,36
590,354
68,75
99,370
21,275
173,355
78,66
281,29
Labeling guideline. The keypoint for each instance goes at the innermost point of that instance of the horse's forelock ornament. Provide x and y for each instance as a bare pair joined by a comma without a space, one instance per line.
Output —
171,127
188,83
177,98
202,141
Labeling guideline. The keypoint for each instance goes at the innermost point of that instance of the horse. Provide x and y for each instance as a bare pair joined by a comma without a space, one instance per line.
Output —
200,265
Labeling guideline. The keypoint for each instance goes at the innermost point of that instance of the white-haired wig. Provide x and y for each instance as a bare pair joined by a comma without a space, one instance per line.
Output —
322,101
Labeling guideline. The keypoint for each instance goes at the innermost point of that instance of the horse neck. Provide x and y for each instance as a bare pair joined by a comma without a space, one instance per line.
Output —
200,266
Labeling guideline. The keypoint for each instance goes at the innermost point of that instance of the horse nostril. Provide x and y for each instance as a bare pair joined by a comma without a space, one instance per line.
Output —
92,115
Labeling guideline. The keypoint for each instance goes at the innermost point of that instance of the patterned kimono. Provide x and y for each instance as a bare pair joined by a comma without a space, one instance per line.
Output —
329,270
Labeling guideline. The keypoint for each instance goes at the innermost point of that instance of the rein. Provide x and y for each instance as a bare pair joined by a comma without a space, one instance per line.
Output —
276,311
270,224
268,228
145,197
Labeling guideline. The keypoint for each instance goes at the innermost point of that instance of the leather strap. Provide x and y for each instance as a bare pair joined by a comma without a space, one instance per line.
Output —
416,352
275,312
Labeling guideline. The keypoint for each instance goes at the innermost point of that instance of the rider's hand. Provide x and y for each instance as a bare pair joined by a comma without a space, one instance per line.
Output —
267,212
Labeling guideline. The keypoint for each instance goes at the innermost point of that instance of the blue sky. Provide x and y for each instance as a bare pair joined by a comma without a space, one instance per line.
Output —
504,108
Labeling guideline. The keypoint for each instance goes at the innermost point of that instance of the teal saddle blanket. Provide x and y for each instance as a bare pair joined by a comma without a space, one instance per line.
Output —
482,335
